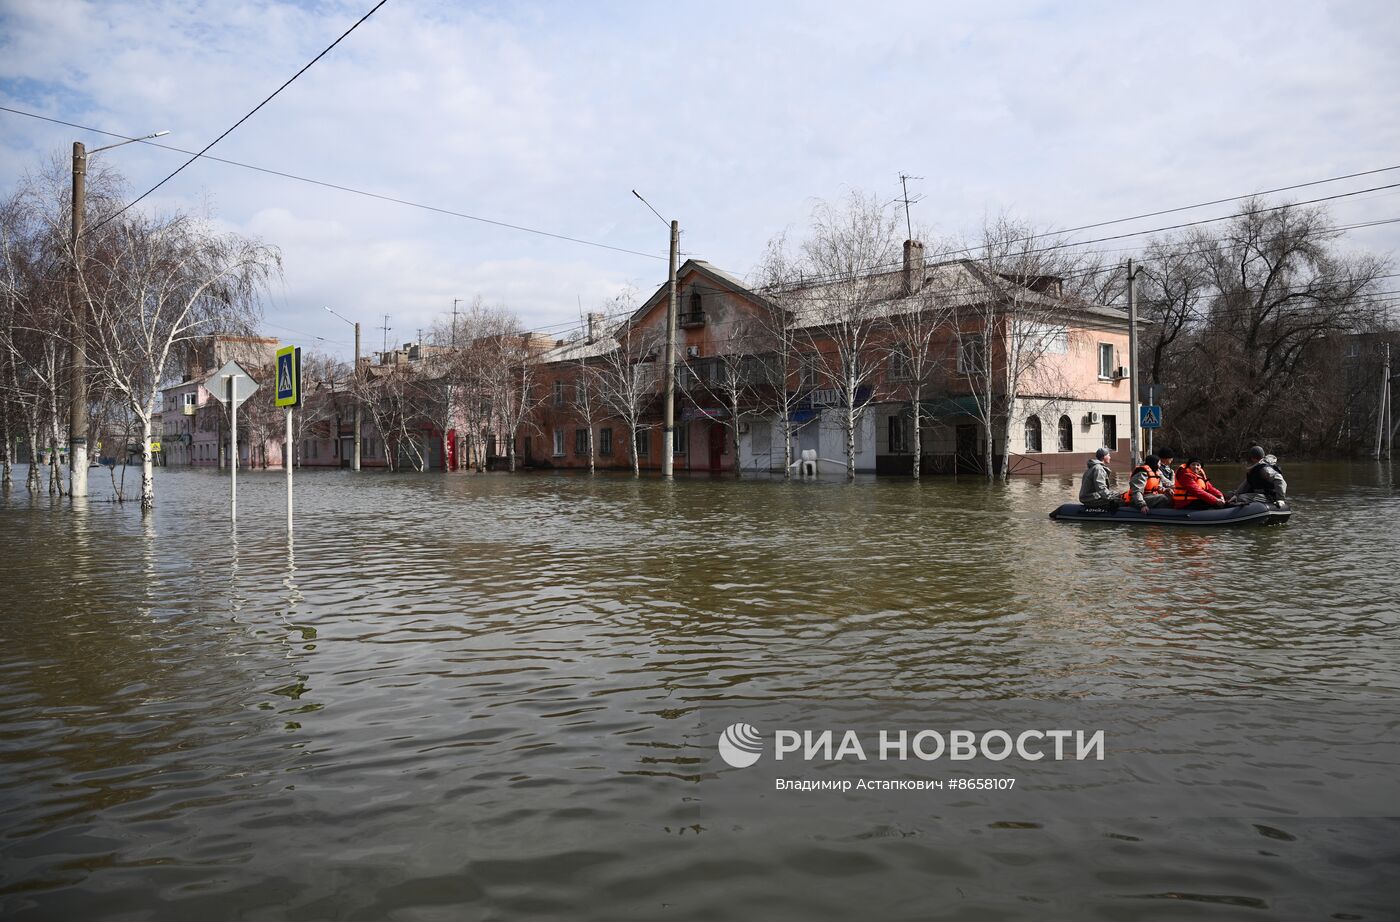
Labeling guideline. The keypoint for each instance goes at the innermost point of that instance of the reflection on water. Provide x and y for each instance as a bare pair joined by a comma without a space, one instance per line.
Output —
457,696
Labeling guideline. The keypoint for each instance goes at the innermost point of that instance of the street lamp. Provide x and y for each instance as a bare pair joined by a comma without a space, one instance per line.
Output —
77,373
355,457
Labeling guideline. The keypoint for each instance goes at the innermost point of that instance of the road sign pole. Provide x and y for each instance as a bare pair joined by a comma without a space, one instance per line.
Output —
232,450
287,463
1152,399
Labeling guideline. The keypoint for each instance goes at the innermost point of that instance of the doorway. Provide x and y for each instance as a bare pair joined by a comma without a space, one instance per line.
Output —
967,459
718,446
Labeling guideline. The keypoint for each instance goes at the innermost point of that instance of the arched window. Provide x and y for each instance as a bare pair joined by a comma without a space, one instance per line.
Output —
1032,434
697,304
1066,434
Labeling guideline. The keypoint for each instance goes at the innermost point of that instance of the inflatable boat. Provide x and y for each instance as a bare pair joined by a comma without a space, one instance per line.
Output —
1252,514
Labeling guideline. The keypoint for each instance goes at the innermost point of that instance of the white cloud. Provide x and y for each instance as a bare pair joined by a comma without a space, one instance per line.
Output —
732,120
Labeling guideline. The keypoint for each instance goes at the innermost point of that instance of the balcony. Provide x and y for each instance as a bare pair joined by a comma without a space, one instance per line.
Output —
692,319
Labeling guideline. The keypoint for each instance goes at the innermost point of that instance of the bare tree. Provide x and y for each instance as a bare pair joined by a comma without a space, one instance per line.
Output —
912,329
161,284
848,252
628,378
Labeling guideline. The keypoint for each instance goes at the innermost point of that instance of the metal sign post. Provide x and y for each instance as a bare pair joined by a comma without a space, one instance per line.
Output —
288,396
231,385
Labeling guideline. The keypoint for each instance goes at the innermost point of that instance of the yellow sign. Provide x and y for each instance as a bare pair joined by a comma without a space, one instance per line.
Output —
155,447
288,376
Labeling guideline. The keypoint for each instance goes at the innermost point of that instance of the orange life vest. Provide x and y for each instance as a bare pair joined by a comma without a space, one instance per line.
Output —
1179,495
1154,483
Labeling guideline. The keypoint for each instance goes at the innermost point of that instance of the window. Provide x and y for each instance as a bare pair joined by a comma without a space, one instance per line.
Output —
1032,434
558,443
643,444
1066,442
900,366
190,398
680,439
1110,432
808,372
581,441
558,393
1105,360
761,439
899,427
971,360
1045,339
697,304
605,441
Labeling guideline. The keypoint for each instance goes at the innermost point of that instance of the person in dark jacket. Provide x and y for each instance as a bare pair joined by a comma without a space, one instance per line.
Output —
1166,469
1193,489
1096,487
1263,481
1144,491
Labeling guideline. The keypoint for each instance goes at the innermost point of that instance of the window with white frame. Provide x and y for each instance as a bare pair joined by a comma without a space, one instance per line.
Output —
1032,434
605,440
901,366
1105,360
1066,442
680,439
971,358
581,441
1046,339
558,393
558,443
643,443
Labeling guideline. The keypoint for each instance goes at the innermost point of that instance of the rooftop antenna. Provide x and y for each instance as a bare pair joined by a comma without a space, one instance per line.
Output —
455,302
904,183
386,339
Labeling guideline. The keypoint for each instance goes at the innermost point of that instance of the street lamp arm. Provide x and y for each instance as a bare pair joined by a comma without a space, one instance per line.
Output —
330,311
156,134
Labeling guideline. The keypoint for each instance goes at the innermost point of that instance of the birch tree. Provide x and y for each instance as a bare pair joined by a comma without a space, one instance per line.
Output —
628,379
161,284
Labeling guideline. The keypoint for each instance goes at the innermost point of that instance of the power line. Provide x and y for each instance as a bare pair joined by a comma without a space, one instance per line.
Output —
350,189
244,118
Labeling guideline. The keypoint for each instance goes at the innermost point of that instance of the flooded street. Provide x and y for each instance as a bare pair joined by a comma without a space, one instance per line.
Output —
470,696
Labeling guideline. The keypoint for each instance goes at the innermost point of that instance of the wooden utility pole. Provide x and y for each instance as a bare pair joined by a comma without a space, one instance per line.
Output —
669,420
1132,365
77,372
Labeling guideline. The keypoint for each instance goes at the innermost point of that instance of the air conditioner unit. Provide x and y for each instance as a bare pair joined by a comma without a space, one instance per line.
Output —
1092,419
692,352
1120,372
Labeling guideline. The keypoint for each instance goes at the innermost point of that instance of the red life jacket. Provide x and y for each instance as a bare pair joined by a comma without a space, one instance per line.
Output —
1154,483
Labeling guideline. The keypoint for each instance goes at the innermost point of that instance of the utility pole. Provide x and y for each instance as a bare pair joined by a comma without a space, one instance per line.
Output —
355,456
1383,433
384,356
668,460
669,380
77,372
1132,364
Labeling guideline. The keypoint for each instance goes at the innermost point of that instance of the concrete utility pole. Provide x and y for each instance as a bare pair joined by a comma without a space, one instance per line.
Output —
668,445
77,372
233,449
1132,364
355,451
1383,431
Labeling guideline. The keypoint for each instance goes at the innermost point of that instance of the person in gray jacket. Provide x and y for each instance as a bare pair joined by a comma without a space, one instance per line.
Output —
1096,488
1263,481
1165,470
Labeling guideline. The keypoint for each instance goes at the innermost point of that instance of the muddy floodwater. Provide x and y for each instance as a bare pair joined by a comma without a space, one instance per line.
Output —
498,697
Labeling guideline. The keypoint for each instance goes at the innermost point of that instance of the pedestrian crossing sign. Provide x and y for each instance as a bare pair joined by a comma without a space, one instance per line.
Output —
288,376
1150,416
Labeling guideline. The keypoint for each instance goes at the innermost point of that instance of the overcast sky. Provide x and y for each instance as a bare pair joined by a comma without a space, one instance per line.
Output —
731,117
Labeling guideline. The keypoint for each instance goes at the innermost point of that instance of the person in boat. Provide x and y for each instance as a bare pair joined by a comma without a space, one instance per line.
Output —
1096,488
1263,481
1144,491
1166,470
1192,489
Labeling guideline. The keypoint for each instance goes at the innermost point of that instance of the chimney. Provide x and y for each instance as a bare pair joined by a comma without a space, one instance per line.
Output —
913,266
595,325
